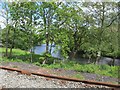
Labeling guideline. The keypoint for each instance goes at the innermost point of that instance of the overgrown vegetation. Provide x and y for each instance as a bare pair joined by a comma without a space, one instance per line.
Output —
25,56
86,28
74,27
106,70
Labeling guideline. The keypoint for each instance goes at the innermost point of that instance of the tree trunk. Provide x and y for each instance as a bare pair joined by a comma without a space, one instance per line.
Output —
46,33
54,61
51,48
7,35
74,51
113,62
97,60
47,48
101,31
89,58
44,62
119,40
8,28
31,56
47,44
12,45
31,39
72,54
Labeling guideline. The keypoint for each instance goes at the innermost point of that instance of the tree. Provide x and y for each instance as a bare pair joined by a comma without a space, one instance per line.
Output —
72,27
47,18
5,15
25,14
103,17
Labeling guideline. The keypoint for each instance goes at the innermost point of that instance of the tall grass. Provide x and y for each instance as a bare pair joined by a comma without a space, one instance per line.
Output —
23,56
105,70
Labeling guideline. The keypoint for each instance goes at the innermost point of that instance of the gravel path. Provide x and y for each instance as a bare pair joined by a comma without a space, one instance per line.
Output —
10,79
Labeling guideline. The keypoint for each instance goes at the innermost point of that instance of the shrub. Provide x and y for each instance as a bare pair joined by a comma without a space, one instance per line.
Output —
37,63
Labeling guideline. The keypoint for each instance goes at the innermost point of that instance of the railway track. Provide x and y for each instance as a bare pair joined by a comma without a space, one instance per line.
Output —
113,86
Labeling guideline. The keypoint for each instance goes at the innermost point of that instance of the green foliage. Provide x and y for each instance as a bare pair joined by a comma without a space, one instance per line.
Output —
15,51
68,65
68,26
37,63
45,56
88,68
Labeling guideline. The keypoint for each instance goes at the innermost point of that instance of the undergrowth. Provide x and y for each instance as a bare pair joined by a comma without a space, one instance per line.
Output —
23,56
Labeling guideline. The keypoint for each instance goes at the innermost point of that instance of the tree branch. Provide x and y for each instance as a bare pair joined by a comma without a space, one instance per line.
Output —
113,20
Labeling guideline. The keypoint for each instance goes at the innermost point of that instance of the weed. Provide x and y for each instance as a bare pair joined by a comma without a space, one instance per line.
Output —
15,66
23,56
79,76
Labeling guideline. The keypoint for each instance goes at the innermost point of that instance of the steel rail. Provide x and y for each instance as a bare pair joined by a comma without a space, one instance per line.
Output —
61,78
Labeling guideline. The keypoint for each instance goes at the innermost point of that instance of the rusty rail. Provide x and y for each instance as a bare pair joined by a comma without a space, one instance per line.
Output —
62,78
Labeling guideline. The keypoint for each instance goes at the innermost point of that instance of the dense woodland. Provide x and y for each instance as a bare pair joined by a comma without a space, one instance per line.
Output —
89,29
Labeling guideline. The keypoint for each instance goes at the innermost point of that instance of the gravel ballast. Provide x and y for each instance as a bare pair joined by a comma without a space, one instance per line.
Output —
13,79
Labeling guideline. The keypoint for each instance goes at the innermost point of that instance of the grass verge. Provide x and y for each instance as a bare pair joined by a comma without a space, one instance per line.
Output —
23,56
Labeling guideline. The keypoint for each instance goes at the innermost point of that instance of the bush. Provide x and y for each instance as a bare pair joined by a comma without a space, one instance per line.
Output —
104,67
37,63
47,56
